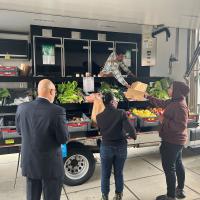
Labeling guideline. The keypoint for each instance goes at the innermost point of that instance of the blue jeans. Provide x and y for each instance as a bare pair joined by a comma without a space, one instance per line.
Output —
112,156
171,155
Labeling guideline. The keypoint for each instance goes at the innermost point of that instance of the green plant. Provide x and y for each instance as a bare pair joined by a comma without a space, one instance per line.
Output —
159,88
69,93
4,93
105,87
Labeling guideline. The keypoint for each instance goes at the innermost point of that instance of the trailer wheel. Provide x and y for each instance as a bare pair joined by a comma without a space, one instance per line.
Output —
79,166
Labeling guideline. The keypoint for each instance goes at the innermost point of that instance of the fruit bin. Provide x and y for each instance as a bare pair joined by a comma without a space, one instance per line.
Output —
148,122
8,73
8,133
83,123
8,68
146,118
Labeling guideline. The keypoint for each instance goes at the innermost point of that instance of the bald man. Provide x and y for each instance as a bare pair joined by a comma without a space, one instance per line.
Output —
42,127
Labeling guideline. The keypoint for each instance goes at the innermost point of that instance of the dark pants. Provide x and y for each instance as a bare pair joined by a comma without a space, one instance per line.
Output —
112,156
51,189
171,155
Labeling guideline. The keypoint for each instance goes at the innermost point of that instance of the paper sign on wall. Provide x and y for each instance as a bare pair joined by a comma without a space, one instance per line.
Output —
88,84
48,54
127,58
148,50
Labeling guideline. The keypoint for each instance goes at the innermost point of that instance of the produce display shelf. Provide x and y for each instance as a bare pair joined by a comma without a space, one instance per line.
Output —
78,79
86,107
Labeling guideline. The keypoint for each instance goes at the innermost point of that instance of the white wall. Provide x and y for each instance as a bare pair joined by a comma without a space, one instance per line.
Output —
165,49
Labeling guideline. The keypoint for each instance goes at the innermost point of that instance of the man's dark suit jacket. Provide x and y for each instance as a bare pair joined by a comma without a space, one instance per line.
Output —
42,127
114,125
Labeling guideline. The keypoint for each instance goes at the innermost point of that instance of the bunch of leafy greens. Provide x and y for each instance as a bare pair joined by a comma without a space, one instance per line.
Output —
4,93
105,87
159,88
69,93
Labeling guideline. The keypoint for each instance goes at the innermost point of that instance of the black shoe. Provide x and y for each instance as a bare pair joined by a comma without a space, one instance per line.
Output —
164,197
104,197
180,194
118,196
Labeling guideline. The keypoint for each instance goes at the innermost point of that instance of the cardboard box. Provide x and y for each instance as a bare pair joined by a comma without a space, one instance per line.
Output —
139,86
137,91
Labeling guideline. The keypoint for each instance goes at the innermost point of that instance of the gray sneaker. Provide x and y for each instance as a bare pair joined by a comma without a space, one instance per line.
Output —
164,197
118,196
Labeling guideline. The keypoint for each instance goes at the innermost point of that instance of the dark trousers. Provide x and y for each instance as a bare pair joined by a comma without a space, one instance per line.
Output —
171,155
51,189
112,156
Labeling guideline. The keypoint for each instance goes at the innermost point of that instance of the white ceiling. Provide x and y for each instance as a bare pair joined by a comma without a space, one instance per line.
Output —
112,15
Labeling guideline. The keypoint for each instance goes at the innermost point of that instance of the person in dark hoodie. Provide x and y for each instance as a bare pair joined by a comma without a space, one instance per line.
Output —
173,133
113,124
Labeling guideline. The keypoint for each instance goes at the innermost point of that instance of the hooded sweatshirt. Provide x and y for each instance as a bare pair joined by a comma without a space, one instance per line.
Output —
174,125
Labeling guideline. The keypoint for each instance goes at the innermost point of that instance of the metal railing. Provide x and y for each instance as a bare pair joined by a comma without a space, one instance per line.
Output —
193,61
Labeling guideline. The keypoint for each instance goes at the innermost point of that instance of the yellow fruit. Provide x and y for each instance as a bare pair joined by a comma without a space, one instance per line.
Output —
144,113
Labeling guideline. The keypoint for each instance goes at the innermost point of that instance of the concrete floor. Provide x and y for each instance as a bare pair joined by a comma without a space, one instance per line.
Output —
143,175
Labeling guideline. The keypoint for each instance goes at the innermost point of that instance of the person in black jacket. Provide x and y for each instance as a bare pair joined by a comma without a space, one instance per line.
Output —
114,126
42,127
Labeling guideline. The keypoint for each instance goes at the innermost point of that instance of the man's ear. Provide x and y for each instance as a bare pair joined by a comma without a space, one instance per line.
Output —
51,91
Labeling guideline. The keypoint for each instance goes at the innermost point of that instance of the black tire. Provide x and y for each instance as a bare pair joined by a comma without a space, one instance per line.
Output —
79,166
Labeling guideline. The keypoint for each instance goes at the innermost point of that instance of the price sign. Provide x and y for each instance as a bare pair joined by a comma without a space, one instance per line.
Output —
88,84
